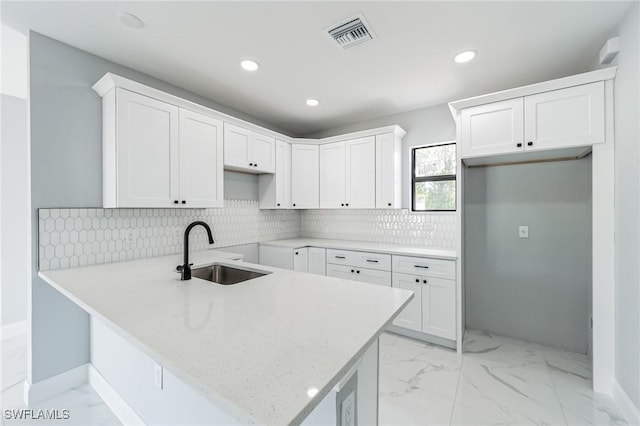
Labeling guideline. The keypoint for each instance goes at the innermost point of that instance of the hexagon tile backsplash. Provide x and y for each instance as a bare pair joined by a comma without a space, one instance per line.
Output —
79,237
436,230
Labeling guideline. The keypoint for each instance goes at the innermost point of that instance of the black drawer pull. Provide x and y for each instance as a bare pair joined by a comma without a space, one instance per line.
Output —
357,272
352,271
417,280
519,145
340,257
529,143
425,281
421,266
372,261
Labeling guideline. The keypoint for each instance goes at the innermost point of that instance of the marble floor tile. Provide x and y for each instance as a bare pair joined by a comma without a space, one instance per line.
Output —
85,408
403,404
418,365
500,350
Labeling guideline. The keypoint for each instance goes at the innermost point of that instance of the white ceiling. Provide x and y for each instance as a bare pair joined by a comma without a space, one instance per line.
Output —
198,46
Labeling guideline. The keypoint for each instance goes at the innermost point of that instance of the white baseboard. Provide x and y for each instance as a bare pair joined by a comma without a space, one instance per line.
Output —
114,401
624,403
48,388
14,329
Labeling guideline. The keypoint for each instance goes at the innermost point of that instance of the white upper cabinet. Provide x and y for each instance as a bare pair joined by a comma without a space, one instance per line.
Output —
348,174
565,118
388,171
361,173
332,175
556,119
141,157
305,173
248,151
156,154
495,128
201,169
275,189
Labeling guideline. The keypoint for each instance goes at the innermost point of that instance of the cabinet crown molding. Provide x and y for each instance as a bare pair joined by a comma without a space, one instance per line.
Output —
110,81
532,89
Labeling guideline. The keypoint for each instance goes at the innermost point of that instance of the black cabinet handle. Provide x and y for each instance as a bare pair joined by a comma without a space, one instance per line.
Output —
294,204
347,204
339,257
184,202
255,165
425,281
421,266
278,204
372,261
357,272
296,253
342,204
352,271
519,145
175,201
251,164
529,143
417,280
389,204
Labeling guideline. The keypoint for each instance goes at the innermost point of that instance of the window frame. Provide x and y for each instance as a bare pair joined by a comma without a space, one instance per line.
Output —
439,178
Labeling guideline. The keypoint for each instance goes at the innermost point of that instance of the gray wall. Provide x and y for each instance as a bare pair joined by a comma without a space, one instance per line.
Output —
66,165
627,206
423,126
14,214
537,288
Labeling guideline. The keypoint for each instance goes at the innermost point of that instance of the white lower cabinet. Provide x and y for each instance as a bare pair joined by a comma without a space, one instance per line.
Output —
363,275
317,261
301,259
433,308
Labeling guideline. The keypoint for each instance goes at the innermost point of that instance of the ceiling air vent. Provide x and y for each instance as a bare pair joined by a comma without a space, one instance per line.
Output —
350,32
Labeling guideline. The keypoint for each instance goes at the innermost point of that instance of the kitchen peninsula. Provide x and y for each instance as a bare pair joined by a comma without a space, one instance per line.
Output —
279,349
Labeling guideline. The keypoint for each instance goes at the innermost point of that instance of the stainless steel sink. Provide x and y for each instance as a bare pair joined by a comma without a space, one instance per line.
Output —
226,275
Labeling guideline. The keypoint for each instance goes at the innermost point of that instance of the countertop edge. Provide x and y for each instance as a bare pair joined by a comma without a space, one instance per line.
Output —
361,246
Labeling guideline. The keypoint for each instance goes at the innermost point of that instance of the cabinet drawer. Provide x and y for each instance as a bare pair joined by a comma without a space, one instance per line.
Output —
342,257
359,259
427,267
373,276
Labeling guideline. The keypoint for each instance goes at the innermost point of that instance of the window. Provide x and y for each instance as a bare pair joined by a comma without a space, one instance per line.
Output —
433,178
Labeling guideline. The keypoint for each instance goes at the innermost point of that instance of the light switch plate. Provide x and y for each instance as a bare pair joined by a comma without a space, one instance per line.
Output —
523,232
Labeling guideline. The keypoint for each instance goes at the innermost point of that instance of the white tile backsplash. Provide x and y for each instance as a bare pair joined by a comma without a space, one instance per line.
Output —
436,230
79,237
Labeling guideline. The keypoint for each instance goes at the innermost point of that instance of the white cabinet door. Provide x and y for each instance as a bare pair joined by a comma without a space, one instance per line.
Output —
147,151
301,259
373,276
439,307
411,315
283,175
341,271
201,163
496,128
237,146
262,153
361,173
565,118
305,181
332,175
317,260
388,177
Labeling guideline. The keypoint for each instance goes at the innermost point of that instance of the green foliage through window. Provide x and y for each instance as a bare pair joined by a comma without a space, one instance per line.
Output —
433,178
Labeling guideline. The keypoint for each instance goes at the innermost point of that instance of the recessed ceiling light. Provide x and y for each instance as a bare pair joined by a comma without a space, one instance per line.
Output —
313,102
465,56
249,65
129,20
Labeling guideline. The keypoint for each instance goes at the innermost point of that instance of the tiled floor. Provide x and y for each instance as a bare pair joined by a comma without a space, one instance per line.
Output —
498,381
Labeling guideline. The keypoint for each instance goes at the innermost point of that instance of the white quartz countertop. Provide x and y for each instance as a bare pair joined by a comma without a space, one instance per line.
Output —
396,249
259,346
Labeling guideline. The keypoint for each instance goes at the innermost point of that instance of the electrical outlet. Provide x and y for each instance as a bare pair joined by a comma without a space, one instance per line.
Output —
348,415
157,376
523,231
